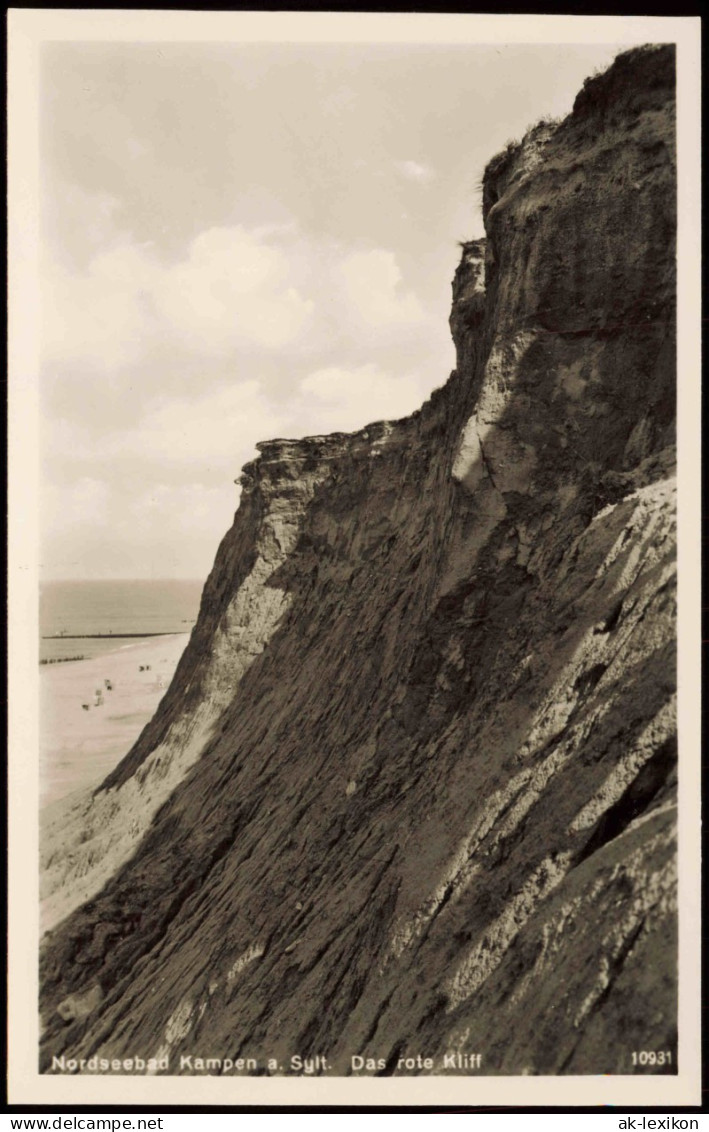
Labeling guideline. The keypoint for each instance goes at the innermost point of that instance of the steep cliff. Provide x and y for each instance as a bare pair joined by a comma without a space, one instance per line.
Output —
412,789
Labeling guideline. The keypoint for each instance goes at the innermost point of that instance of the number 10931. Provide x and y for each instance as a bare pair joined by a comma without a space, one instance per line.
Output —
651,1057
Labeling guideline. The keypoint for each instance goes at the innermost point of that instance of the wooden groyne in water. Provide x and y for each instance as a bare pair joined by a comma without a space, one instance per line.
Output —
101,636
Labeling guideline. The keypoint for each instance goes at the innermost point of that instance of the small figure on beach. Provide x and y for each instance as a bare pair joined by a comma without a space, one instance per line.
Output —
109,685
98,698
85,707
141,668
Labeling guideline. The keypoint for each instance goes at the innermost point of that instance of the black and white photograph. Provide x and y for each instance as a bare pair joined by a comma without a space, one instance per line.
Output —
346,444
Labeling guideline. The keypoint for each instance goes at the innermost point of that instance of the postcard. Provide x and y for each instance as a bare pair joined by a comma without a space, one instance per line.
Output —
353,509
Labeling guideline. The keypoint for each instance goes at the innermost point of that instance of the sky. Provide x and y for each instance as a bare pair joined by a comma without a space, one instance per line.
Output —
248,241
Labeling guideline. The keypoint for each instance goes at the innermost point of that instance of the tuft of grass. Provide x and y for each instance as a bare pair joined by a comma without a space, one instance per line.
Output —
543,123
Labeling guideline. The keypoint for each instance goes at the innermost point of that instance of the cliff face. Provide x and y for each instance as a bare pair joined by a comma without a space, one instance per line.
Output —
412,788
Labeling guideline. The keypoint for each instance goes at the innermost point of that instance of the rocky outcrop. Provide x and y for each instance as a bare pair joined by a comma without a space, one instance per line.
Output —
411,793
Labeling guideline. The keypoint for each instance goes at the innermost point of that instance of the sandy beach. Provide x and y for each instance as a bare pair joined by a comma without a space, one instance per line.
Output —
79,747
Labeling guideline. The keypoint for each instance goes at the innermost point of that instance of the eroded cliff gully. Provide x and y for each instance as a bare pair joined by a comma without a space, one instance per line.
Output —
412,789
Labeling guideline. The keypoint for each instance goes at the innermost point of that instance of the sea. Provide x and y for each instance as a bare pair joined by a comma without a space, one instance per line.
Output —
83,619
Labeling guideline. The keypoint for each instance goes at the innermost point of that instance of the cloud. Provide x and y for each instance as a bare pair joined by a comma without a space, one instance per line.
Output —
235,290
369,285
159,378
211,430
136,148
210,435
93,319
413,171
76,218
341,399
216,429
